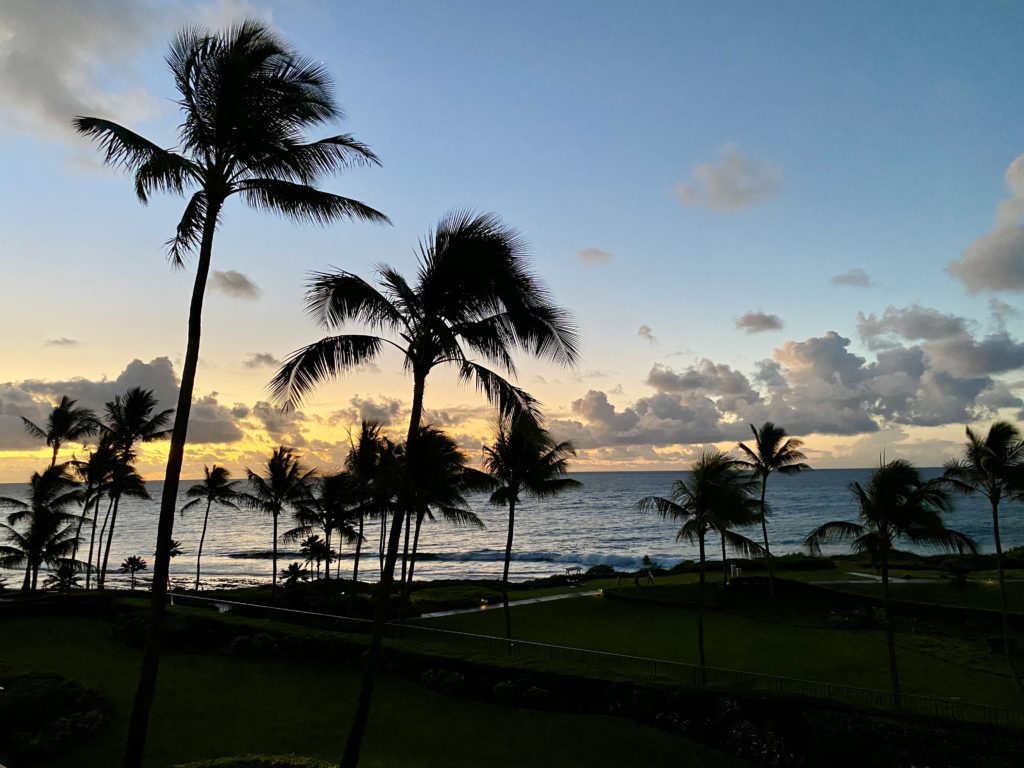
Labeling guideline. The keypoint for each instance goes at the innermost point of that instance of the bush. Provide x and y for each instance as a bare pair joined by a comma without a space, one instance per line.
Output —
44,714
599,571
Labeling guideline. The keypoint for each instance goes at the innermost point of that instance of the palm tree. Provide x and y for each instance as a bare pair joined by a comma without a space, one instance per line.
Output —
64,423
993,466
124,482
440,479
283,486
248,100
132,565
330,506
524,459
216,487
64,578
773,451
95,473
293,574
896,504
473,295
132,418
48,533
717,496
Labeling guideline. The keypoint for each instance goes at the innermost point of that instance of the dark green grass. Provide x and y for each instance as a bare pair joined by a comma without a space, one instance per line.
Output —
976,594
212,706
793,642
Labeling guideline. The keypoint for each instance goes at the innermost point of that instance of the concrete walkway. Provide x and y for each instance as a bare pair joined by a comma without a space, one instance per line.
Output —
511,604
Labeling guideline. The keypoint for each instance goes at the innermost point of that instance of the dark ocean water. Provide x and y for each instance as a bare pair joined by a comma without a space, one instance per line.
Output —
596,524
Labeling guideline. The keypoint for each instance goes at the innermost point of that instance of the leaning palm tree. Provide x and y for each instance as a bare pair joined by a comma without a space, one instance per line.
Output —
284,486
896,504
47,535
524,459
474,299
993,466
64,423
773,451
717,496
216,487
247,100
125,482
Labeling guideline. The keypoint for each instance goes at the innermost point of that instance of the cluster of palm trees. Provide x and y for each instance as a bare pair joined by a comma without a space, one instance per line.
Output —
46,529
722,493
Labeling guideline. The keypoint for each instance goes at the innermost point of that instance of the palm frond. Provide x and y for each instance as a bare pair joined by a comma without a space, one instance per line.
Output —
832,533
509,398
319,362
335,298
305,203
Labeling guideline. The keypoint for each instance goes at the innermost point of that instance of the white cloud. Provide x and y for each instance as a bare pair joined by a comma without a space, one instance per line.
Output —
647,334
995,261
732,182
234,284
758,322
857,278
594,257
61,341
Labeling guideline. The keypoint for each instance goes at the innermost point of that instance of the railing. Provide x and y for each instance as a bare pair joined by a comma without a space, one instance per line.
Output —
689,675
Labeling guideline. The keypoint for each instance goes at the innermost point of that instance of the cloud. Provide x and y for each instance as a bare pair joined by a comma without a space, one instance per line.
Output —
758,322
912,323
260,360
384,411
234,284
647,334
61,341
594,257
732,182
211,422
283,427
857,278
995,261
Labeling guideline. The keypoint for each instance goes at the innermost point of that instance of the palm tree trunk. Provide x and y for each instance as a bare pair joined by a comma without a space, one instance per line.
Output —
327,547
81,522
99,551
26,584
764,532
700,617
53,461
354,742
202,538
504,573
355,568
273,575
146,690
110,539
35,576
405,550
1003,606
407,589
92,542
890,639
380,542
725,564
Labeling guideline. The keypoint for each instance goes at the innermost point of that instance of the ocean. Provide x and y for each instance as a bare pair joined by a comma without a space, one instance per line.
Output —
593,525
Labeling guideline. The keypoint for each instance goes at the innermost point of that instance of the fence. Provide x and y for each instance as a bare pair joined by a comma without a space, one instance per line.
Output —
583,660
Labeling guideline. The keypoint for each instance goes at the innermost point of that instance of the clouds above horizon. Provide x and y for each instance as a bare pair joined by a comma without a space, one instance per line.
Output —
234,284
594,257
995,261
732,182
856,278
928,370
758,322
647,334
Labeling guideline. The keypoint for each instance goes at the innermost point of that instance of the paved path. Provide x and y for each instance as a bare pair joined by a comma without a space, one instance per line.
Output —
511,604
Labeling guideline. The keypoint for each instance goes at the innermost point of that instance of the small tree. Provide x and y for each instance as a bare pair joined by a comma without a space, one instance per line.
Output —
293,574
132,565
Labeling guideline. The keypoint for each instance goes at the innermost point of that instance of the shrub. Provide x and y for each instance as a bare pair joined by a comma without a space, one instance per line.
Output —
600,571
44,714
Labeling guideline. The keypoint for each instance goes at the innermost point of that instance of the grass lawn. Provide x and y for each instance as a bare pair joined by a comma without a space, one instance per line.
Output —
210,706
797,644
977,594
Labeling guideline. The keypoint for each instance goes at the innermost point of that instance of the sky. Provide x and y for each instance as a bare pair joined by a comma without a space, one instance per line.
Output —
809,213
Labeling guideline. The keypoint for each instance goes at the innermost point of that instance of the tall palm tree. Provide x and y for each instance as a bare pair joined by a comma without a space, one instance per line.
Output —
330,506
247,100
773,451
993,466
524,459
283,486
131,418
48,528
717,496
95,473
440,479
64,423
124,482
896,504
474,298
216,487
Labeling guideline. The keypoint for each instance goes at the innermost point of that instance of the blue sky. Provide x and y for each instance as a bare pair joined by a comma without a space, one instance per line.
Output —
725,158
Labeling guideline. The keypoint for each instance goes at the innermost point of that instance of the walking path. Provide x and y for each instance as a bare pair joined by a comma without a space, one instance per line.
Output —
511,603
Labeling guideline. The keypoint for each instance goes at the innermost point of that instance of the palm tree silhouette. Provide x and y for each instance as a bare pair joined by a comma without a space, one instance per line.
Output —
65,423
132,418
524,459
95,473
440,479
132,565
216,487
896,504
48,529
474,295
283,486
773,451
124,482
330,506
293,574
717,496
993,466
248,100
